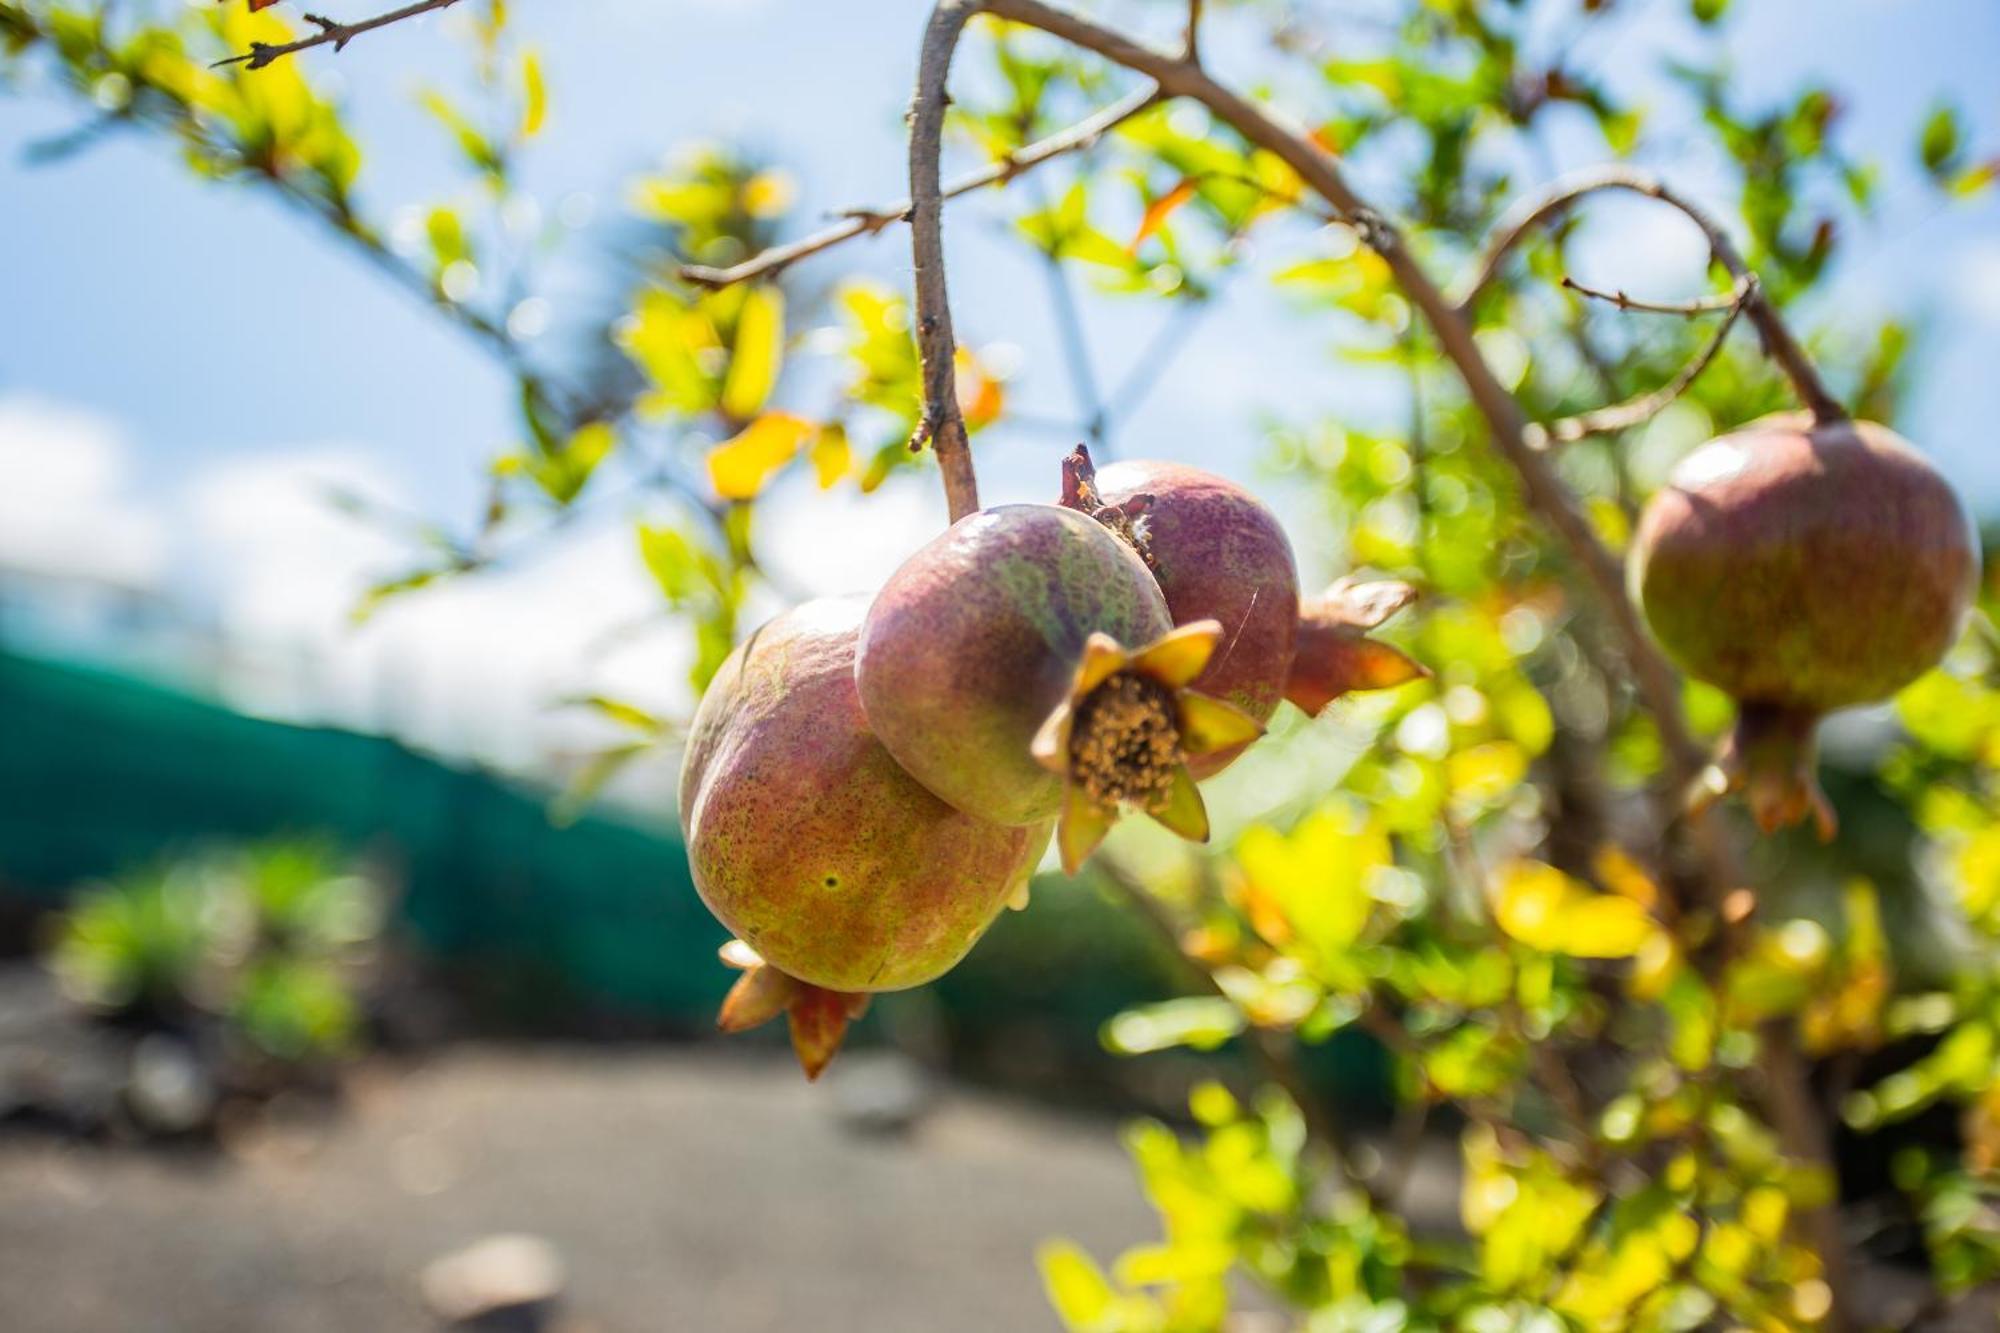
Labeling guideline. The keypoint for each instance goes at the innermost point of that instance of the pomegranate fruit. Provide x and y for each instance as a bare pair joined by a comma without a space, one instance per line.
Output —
1801,567
840,871
993,665
1219,554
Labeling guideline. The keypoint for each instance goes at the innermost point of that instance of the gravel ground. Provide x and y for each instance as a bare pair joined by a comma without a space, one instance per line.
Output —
684,1191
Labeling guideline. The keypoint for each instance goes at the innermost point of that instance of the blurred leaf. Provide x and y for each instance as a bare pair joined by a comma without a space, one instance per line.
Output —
1311,886
534,95
739,467
832,456
757,354
1159,210
1543,908
1076,1287
1939,144
1202,1022
583,789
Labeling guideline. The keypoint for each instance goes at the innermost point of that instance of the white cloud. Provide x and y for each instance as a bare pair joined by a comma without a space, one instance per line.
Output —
470,667
66,503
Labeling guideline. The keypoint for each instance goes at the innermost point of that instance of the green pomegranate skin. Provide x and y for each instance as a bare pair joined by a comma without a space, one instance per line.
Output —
1219,554
1809,567
975,640
814,846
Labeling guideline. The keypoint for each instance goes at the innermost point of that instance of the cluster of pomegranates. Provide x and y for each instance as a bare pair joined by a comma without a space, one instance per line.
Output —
867,783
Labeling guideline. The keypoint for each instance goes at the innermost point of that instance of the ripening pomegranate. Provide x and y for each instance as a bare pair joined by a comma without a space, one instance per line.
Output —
1220,554
1801,566
1023,665
837,868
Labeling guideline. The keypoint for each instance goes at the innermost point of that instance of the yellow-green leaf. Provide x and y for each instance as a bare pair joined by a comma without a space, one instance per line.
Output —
1312,885
741,465
832,455
1076,1287
758,351
1543,908
534,96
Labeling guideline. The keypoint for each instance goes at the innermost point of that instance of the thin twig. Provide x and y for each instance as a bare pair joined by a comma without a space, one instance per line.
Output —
1779,341
942,423
1705,305
336,35
1634,412
871,221
1191,44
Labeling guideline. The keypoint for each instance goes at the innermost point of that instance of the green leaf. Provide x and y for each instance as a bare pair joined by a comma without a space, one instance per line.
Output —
624,713
673,561
1940,142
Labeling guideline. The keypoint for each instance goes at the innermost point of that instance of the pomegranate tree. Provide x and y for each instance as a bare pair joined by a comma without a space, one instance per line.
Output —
1801,565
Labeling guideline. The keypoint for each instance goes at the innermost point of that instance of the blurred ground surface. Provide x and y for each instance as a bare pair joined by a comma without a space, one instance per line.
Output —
685,1191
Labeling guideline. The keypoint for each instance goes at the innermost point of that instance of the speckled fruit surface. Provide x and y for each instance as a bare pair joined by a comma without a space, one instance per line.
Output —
1811,567
1219,554
810,842
975,640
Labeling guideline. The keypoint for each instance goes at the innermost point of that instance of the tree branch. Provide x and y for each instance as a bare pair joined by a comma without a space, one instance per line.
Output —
1638,411
871,221
1779,342
942,424
336,35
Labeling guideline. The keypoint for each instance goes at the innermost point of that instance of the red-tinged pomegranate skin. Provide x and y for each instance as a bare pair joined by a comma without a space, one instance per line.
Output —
1805,567
1219,554
975,640
813,845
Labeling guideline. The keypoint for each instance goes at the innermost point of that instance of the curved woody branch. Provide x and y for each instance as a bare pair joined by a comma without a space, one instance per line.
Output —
1532,213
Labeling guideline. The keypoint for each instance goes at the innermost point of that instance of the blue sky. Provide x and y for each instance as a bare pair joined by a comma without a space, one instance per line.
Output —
217,350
